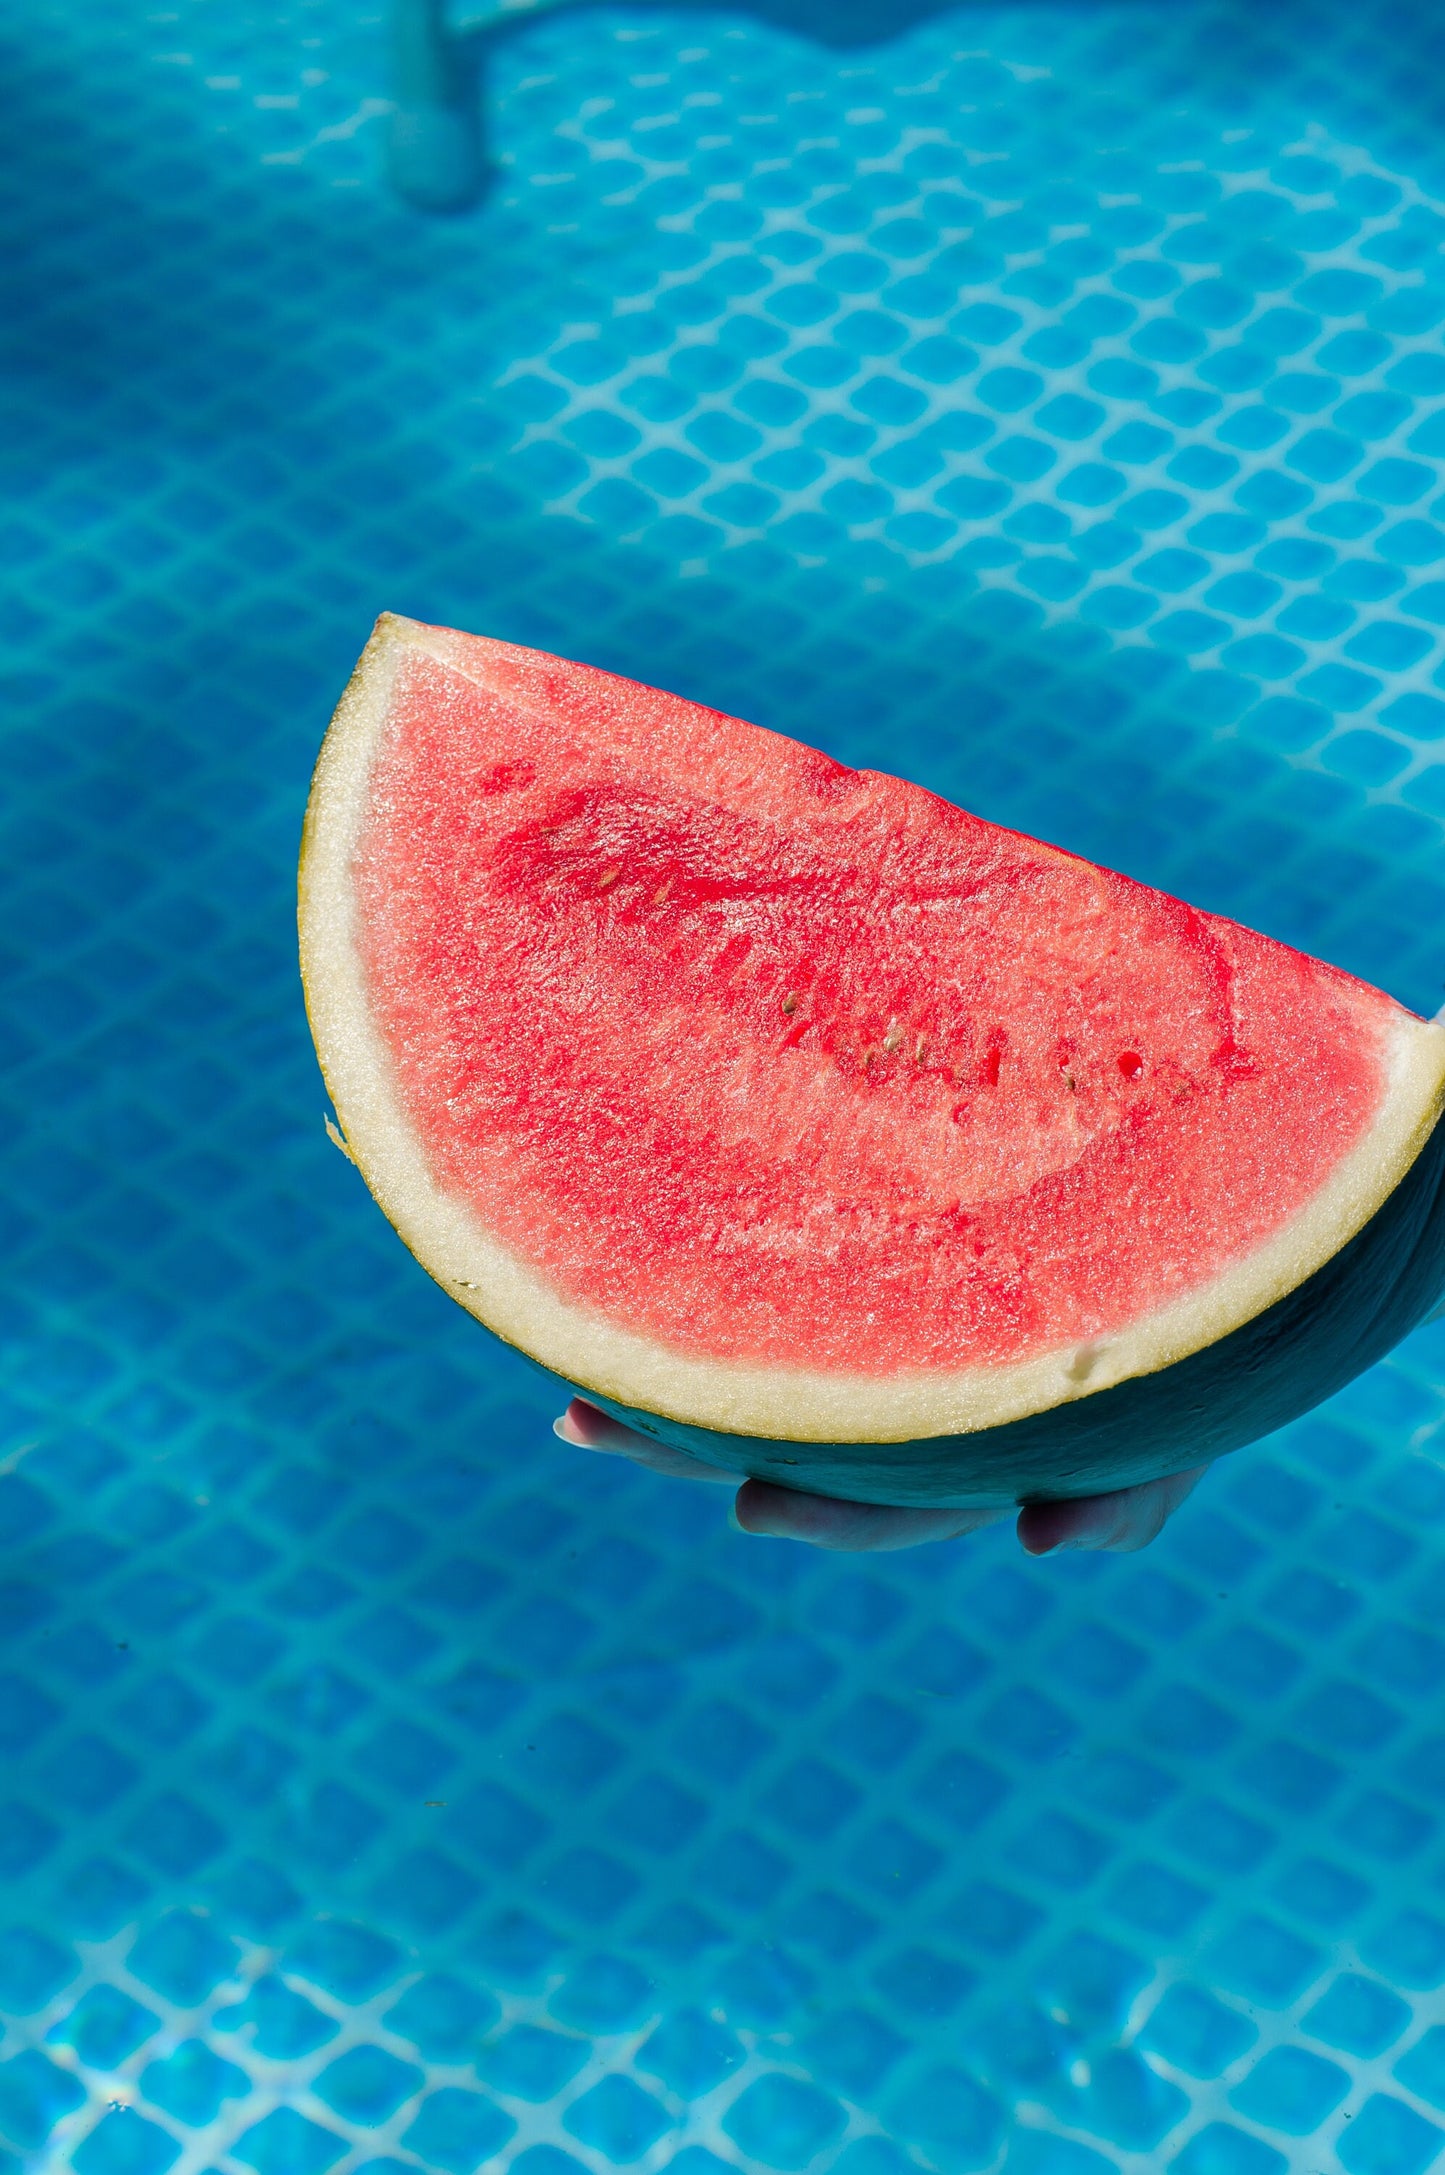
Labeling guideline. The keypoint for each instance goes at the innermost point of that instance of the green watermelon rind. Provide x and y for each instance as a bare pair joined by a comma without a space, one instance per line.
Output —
712,1406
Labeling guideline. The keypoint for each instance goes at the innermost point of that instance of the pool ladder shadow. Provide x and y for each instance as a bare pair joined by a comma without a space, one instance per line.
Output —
436,152
437,155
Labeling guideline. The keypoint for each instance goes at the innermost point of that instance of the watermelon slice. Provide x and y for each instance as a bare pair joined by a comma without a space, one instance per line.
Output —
811,1124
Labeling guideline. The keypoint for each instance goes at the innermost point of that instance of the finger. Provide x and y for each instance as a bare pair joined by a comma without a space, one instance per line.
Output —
591,1429
829,1523
1126,1520
588,1429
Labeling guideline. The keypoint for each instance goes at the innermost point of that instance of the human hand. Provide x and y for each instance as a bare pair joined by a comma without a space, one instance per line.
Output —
1128,1519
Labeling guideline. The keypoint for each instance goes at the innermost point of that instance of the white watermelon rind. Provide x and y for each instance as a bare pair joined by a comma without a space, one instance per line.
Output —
1383,1283
774,1403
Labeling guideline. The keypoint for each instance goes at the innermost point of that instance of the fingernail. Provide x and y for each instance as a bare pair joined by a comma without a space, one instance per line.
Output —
562,1433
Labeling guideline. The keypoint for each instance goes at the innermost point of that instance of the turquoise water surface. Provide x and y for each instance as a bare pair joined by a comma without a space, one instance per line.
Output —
1048,402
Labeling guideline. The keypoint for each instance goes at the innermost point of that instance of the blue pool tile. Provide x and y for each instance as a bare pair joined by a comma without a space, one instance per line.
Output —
33,1968
1320,1893
948,2113
193,2083
833,371
34,2095
1291,2090
1220,2149
1389,2138
617,2118
1261,1960
285,2024
285,2141
1196,2032
125,2144
690,2053
455,2128
528,2062
104,2027
1125,2102
366,2085
1422,2068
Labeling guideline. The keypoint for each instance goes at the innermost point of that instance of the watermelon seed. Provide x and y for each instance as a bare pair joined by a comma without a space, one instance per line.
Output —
610,878
659,897
893,1037
920,1051
790,1004
1070,1084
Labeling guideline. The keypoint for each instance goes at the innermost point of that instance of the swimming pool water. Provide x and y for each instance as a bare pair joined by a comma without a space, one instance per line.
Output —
1046,402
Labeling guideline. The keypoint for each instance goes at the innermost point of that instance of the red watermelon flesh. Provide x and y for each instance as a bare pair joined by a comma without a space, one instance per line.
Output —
769,1094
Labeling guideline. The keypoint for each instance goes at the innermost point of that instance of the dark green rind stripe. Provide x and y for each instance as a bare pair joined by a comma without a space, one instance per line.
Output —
1298,1352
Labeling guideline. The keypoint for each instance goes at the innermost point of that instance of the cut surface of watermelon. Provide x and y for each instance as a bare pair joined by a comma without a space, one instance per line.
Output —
791,1102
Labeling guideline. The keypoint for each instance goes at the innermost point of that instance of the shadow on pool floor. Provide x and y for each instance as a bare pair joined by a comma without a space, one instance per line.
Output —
437,152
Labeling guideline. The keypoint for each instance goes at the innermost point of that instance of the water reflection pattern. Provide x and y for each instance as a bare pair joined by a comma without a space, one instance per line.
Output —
384,1786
